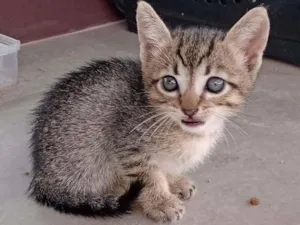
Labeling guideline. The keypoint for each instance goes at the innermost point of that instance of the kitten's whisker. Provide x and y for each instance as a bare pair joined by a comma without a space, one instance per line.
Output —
166,124
140,106
224,135
247,114
242,115
150,118
166,119
238,127
171,124
232,137
232,124
146,114
152,126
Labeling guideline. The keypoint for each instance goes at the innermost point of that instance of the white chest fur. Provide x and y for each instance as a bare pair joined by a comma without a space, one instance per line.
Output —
187,155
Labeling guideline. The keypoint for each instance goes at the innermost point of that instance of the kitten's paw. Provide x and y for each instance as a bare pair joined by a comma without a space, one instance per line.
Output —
183,188
164,209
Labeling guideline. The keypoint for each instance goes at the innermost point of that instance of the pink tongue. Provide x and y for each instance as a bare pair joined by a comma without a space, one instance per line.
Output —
191,121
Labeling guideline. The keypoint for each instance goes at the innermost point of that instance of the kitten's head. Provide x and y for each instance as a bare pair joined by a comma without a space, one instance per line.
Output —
199,77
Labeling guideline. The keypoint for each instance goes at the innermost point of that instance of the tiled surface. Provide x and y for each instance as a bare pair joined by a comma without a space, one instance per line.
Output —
264,163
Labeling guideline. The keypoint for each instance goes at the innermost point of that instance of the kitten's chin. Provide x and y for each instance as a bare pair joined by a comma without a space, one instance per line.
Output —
210,126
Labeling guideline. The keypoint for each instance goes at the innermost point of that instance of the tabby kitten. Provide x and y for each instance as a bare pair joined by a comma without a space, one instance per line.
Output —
120,131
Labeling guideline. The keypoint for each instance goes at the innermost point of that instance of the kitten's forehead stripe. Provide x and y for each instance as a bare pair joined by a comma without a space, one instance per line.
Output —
207,70
178,52
175,68
181,58
209,51
193,47
191,52
211,46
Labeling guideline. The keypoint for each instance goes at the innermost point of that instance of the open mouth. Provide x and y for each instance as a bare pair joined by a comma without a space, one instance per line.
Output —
193,123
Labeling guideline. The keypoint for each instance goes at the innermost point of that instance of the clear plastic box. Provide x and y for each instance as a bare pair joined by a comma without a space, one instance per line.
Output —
9,48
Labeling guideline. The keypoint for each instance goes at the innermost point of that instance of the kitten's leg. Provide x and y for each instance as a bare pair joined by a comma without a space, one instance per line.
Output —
156,200
182,187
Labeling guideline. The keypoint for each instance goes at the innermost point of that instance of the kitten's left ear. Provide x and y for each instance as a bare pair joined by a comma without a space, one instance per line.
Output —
249,37
152,32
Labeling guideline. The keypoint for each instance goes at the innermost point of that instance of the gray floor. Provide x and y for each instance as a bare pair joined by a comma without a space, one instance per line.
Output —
264,163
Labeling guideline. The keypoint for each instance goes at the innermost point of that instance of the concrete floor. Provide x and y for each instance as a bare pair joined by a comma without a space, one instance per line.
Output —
265,163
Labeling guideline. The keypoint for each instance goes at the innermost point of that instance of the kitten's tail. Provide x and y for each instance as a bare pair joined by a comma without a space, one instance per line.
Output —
107,206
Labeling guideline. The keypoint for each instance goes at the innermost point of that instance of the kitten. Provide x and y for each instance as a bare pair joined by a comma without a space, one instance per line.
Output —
119,133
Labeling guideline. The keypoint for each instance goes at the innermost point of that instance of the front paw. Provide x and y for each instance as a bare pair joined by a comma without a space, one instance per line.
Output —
182,187
164,208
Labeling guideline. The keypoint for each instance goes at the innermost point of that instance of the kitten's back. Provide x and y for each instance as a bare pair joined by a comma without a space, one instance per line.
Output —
75,119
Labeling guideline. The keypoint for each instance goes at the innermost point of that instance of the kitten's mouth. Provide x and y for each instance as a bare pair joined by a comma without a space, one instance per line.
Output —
193,122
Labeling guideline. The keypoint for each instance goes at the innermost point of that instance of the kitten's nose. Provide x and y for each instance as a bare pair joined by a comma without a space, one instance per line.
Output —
190,112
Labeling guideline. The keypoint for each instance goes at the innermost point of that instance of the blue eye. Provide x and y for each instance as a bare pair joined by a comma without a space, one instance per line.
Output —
169,83
215,85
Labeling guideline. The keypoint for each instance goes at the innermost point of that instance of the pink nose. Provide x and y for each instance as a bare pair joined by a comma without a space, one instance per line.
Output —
190,112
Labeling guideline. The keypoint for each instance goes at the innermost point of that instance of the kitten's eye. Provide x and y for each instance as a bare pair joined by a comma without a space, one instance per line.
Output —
215,84
169,83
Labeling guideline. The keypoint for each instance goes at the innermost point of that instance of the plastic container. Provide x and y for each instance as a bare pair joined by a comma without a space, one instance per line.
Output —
9,48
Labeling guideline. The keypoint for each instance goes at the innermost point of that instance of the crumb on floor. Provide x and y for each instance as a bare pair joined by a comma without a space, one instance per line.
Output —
254,201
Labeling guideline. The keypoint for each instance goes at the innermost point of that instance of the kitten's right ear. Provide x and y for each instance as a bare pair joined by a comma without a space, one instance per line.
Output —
249,36
152,32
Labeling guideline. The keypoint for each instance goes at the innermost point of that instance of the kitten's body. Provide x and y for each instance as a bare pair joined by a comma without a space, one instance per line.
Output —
108,134
84,130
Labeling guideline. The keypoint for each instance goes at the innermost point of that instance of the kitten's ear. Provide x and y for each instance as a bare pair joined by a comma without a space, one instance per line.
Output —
153,33
249,37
